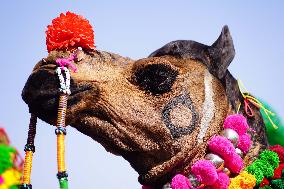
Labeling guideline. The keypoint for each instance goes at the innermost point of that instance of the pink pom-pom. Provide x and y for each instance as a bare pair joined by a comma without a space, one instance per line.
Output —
222,182
180,182
244,142
234,163
146,187
223,147
236,122
206,171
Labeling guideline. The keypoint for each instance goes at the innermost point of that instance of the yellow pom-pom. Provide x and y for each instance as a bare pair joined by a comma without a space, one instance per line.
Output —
11,177
4,186
243,181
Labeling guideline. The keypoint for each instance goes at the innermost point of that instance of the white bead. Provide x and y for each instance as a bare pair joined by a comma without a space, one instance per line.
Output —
231,135
239,152
167,186
215,159
194,181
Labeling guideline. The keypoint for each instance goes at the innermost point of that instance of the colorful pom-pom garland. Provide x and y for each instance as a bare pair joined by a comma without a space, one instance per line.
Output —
10,164
211,173
265,172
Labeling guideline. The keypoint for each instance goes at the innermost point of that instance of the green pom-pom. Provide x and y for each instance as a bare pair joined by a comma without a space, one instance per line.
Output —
14,187
256,171
266,187
5,157
265,167
271,157
277,184
275,136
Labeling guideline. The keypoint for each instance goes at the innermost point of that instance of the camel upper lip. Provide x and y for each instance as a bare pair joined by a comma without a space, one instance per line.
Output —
41,93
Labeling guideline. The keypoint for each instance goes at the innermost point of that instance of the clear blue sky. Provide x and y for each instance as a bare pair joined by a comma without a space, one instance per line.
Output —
134,29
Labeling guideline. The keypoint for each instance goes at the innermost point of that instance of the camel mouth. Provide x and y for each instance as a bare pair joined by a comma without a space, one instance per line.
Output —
41,93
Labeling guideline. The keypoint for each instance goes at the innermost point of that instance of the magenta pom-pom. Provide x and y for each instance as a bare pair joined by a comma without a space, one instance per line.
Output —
180,182
223,147
244,142
206,171
234,163
222,182
236,122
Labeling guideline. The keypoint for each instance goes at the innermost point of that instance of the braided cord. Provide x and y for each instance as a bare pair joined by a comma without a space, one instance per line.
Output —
61,130
60,135
29,149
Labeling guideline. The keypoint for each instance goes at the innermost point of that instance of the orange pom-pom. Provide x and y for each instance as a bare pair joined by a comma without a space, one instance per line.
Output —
68,32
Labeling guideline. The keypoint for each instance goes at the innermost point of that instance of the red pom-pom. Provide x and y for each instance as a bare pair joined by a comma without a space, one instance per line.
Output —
278,171
68,32
265,182
279,150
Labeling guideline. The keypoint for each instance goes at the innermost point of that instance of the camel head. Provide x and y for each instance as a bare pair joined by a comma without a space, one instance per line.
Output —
157,112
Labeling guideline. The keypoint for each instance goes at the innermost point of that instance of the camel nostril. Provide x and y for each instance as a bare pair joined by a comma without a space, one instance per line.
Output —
42,83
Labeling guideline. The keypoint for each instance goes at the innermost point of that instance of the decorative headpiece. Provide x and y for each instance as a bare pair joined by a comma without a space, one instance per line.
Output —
68,32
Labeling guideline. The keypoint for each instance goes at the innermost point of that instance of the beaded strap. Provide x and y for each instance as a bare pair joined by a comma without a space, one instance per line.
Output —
29,149
60,131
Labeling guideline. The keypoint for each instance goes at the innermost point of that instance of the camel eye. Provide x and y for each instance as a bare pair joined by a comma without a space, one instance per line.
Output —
155,78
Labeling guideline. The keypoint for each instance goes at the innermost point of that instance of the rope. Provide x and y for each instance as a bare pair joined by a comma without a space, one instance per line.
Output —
29,149
60,130
254,101
61,115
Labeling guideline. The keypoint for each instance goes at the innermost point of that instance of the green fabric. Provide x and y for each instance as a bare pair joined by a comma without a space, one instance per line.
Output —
5,157
275,136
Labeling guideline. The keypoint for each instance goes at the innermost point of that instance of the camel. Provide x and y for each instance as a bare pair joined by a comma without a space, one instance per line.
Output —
157,112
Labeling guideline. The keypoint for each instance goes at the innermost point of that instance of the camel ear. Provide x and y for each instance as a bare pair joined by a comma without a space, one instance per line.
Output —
221,53
216,57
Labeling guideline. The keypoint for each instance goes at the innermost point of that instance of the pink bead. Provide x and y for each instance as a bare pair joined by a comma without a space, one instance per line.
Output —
223,147
180,182
236,122
222,182
244,142
62,62
206,171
